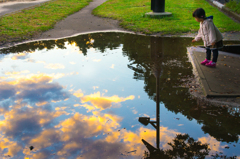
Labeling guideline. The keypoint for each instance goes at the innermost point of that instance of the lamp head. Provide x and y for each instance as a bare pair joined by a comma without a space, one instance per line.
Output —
144,120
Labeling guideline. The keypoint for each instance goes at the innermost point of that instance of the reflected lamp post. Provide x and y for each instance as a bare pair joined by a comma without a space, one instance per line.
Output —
157,51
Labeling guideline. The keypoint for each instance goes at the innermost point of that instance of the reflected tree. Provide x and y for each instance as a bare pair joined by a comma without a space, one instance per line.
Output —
218,122
183,146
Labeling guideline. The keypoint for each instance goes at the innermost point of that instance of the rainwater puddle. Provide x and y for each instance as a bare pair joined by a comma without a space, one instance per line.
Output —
82,97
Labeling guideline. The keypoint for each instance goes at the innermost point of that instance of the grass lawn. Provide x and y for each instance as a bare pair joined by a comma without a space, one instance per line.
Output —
131,15
26,23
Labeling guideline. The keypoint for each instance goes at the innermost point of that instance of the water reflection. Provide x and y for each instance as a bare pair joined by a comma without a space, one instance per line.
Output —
81,98
183,146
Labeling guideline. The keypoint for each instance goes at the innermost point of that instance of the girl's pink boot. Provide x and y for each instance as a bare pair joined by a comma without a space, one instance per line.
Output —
205,62
210,64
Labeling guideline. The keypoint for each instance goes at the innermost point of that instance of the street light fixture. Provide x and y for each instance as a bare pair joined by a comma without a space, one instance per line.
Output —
146,120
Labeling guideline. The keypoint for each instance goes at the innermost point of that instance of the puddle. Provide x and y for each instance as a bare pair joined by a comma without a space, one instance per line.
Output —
82,97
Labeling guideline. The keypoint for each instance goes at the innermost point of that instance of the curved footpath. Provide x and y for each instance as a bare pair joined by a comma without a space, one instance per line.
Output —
14,6
84,22
81,22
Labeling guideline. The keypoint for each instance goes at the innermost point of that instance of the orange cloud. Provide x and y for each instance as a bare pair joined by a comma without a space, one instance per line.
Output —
45,139
214,145
101,102
34,88
78,93
19,56
17,120
16,73
11,146
42,103
77,132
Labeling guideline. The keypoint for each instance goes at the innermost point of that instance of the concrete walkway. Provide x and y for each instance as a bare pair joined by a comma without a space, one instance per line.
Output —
81,22
9,7
222,82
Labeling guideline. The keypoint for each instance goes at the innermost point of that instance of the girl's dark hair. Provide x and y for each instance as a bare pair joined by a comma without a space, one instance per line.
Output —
199,13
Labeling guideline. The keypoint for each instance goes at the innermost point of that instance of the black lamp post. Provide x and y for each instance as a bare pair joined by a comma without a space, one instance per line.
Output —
158,9
158,6
157,57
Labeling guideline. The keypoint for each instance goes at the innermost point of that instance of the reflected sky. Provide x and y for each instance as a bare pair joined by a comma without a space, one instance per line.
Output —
81,98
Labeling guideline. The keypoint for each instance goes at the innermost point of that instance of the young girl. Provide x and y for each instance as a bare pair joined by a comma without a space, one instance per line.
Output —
210,35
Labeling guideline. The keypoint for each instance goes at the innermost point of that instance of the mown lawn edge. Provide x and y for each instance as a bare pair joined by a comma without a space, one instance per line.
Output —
131,14
25,24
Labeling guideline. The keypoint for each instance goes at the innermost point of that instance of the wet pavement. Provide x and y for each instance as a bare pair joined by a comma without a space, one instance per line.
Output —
222,81
82,97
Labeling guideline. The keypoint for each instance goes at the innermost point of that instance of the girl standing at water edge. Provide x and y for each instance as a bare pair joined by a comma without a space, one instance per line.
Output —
210,35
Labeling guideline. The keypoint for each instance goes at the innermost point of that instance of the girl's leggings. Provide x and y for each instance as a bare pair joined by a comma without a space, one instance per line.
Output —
215,54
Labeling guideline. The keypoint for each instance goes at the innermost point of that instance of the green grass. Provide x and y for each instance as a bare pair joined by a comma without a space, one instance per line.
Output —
131,15
26,23
234,6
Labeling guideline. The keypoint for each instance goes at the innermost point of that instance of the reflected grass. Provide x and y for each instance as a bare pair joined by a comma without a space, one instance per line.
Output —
131,13
28,22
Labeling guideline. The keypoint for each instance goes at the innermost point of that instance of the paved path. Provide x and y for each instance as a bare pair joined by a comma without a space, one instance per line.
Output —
220,82
81,22
9,7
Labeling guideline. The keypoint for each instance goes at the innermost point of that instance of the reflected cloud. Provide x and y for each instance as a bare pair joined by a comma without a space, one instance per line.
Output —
95,87
6,90
73,63
2,56
35,89
22,75
20,56
76,134
78,93
42,103
41,62
213,143
134,111
97,60
101,102
16,73
55,66
11,146
26,123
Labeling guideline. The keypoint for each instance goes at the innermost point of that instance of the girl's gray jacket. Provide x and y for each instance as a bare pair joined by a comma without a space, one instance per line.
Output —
208,32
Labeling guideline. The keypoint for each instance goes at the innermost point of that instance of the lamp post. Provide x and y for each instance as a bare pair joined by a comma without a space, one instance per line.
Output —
158,8
156,124
157,51
158,5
